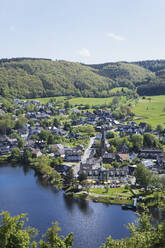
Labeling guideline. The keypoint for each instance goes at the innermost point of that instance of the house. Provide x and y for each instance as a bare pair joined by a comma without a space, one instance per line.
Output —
37,153
35,130
58,150
108,158
5,150
73,155
95,171
17,101
40,115
90,167
62,168
3,138
122,157
148,163
150,153
132,156
2,112
23,132
161,159
77,111
80,147
123,149
13,143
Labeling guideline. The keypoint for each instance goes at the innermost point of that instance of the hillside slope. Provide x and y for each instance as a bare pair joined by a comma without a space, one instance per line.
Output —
30,78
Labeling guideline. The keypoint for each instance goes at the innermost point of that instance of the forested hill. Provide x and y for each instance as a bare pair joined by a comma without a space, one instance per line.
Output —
31,77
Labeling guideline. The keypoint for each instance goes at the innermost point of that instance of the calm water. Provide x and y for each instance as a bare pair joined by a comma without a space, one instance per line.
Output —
21,191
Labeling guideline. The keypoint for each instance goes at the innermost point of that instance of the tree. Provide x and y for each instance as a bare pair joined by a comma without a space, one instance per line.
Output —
20,143
112,149
13,234
27,155
110,135
150,140
67,126
67,105
20,122
15,155
69,176
6,124
44,135
137,141
159,128
51,139
51,239
56,122
115,101
143,176
115,164
82,177
162,180
56,161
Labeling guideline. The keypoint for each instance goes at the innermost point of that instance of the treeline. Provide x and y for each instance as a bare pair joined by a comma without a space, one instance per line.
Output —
152,65
20,59
152,89
35,77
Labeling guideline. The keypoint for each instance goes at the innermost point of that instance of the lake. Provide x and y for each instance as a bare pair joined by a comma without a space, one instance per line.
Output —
22,192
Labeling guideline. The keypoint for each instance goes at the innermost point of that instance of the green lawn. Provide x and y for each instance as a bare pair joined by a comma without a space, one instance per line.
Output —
90,101
151,111
122,192
118,89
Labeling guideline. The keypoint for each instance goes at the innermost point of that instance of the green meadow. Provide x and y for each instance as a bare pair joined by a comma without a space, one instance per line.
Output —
45,100
81,100
150,110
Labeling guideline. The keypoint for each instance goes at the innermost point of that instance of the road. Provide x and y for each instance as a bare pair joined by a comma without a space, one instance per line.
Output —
88,150
84,157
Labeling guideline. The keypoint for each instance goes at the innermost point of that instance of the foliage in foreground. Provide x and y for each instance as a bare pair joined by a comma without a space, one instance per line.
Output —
13,234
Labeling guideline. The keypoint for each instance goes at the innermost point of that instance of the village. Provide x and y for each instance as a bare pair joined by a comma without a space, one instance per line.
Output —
97,147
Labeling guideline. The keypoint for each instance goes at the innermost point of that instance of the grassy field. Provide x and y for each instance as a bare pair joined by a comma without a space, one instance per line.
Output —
122,192
118,89
151,110
45,100
81,100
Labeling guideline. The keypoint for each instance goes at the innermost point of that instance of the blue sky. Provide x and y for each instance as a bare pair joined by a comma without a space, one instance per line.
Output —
89,31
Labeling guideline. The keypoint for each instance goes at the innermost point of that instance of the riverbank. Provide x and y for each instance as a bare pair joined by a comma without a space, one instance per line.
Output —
100,198
41,166
117,196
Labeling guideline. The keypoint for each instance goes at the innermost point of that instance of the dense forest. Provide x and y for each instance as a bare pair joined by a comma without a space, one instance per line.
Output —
37,77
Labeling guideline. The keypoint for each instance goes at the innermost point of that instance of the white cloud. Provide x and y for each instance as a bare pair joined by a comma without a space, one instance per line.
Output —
116,37
85,52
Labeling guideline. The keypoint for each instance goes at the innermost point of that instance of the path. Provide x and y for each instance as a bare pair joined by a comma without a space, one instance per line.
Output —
84,157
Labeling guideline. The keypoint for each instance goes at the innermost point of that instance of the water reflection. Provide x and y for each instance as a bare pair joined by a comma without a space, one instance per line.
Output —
82,205
22,191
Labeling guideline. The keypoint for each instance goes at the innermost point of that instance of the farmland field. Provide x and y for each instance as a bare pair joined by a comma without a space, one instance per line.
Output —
151,110
81,100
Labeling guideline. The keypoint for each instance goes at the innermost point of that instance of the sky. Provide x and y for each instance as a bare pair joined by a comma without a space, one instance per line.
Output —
87,31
